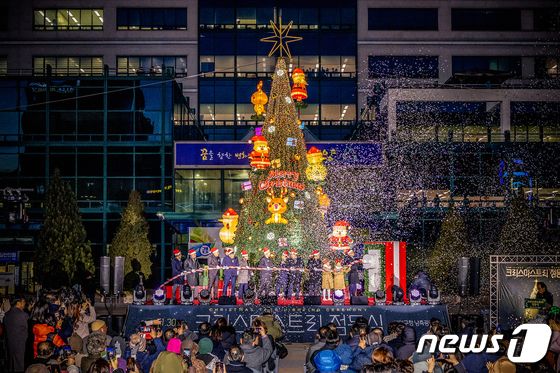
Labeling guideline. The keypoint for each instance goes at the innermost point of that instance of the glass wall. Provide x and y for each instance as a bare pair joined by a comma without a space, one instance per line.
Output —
394,19
68,66
403,67
151,18
487,19
145,65
67,19
208,191
463,64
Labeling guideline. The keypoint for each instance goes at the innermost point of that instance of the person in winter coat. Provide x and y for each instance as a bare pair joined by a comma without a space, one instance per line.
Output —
86,316
266,275
198,365
191,264
255,356
235,361
273,327
327,361
409,346
15,322
283,274
96,345
243,274
327,280
213,263
356,272
320,341
342,350
230,274
315,276
294,284
46,330
168,362
176,270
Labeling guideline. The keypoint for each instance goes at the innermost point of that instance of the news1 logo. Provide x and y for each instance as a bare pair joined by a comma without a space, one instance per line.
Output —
535,343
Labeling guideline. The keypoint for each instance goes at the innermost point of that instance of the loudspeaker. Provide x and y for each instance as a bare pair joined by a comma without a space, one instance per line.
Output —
359,301
311,300
227,301
269,300
474,274
463,276
118,275
105,274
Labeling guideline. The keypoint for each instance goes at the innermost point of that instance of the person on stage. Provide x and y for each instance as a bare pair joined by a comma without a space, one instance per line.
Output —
314,279
230,274
190,265
338,275
213,264
356,271
295,265
543,293
283,274
327,280
176,270
266,275
243,275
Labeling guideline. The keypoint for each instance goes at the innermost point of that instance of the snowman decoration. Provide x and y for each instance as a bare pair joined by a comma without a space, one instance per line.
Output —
339,239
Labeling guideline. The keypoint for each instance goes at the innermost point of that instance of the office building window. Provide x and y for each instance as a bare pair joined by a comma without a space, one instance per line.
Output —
403,67
136,65
63,65
67,19
547,19
390,19
547,67
485,19
466,64
151,18
3,65
4,17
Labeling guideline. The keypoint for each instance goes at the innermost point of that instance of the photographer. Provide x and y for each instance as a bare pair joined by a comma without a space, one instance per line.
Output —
255,356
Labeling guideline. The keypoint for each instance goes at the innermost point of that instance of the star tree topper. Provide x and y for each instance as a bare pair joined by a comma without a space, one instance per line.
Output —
281,38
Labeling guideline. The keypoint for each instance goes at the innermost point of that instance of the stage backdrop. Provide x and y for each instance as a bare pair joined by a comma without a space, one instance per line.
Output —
301,323
513,280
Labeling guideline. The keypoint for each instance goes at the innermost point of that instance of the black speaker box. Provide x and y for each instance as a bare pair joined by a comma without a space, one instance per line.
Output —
312,300
359,301
227,301
269,300
474,288
463,267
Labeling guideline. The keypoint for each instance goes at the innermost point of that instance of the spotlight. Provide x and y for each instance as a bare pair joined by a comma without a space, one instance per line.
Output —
186,295
433,295
380,298
398,295
249,296
338,297
159,297
415,297
204,297
139,294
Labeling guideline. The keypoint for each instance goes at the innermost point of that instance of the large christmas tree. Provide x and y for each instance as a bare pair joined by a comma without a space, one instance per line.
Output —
281,210
62,241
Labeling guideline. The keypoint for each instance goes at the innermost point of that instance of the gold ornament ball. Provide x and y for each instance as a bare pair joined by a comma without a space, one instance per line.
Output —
297,157
292,194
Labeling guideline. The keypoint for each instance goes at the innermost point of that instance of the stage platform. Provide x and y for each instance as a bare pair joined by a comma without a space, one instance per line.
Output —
300,322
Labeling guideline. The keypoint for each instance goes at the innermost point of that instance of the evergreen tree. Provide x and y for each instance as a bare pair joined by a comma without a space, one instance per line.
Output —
131,240
62,240
451,244
284,181
520,233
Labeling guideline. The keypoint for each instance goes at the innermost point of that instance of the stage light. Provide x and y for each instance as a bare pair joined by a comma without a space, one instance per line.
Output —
415,297
338,297
159,297
433,295
204,297
398,295
249,296
380,298
186,295
139,294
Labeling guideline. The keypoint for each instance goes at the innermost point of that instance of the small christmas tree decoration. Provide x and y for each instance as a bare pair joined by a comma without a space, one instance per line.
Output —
246,185
283,242
316,170
259,155
271,129
276,206
259,99
276,163
229,219
339,239
270,236
290,141
298,204
324,201
299,88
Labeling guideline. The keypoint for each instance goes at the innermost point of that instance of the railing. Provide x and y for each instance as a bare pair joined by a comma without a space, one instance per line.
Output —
268,74
85,138
156,72
240,26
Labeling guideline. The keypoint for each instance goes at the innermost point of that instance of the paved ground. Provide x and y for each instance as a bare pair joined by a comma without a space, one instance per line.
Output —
293,363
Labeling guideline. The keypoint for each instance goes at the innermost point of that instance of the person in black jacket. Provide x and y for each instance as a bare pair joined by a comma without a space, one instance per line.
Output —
236,364
176,270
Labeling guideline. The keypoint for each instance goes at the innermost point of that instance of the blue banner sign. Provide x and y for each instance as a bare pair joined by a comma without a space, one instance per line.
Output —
299,323
235,154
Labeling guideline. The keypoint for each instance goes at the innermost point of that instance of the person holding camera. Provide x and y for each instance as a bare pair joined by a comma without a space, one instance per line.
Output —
257,348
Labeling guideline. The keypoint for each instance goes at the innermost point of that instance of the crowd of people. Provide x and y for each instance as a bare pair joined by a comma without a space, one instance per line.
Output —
60,332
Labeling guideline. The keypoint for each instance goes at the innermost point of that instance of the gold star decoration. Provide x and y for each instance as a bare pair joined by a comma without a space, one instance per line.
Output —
281,38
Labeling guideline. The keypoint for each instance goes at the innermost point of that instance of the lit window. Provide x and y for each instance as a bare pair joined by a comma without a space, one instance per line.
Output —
136,65
67,19
3,65
68,65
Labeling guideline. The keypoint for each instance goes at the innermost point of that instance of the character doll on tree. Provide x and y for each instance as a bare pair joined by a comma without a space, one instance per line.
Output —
339,238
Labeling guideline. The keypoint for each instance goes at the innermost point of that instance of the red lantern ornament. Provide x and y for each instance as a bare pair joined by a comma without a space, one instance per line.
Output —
299,89
259,156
